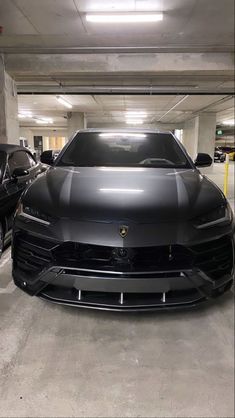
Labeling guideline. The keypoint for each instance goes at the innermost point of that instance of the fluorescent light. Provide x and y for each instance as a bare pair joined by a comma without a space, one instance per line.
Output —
64,102
124,17
24,114
135,114
229,122
43,121
39,121
122,135
134,121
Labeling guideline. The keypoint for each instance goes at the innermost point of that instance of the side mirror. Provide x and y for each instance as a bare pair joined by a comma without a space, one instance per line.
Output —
20,172
47,157
203,160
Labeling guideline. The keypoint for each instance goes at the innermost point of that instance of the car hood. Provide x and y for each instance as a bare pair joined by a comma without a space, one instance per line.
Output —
143,195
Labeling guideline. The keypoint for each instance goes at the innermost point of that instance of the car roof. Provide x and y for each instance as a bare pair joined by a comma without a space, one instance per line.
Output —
134,130
9,148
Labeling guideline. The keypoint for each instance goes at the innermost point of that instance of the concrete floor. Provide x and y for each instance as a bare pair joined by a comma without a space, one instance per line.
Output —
63,362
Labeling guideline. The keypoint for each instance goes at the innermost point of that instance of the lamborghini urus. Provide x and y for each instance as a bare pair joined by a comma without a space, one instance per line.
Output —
124,220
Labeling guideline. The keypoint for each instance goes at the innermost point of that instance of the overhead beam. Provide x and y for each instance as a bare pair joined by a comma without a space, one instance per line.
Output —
116,49
168,63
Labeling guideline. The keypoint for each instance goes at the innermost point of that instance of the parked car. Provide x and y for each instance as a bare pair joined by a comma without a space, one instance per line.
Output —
226,148
219,156
17,169
123,220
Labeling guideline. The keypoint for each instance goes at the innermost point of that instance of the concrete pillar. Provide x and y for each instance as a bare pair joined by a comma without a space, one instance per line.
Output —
9,124
206,133
27,134
76,121
190,137
199,134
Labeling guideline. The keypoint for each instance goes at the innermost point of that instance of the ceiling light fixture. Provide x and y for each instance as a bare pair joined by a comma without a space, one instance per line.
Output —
24,114
134,121
43,121
229,122
124,17
64,102
134,114
40,122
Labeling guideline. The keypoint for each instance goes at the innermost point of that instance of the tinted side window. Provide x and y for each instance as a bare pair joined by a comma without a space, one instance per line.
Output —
2,164
20,159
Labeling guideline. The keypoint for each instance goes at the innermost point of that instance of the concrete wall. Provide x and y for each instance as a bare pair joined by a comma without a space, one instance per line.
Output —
190,137
9,125
199,134
206,133
28,134
76,120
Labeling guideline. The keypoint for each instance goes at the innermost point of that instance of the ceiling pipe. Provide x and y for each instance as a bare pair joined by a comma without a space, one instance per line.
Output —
173,107
112,90
203,109
115,49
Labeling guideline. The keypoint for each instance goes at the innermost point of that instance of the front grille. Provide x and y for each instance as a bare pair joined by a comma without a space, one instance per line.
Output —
32,255
173,257
214,258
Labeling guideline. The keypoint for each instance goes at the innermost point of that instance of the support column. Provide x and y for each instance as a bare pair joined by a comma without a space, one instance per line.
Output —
9,124
76,121
27,134
199,134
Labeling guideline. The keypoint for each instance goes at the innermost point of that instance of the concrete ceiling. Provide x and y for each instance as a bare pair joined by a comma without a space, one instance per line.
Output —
49,47
111,109
188,25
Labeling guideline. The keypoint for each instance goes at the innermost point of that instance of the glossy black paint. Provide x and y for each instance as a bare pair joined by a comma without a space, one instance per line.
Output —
138,195
203,160
12,186
89,205
48,157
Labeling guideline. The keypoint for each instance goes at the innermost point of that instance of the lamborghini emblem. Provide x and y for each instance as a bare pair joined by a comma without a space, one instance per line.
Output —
123,231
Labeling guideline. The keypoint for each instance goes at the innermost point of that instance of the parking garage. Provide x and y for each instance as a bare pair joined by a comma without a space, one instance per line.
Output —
83,66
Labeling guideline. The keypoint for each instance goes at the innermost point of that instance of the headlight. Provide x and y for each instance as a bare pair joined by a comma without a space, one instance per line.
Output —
220,216
35,214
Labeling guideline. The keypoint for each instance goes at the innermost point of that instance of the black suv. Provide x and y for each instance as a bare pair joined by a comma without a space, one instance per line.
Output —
18,168
124,220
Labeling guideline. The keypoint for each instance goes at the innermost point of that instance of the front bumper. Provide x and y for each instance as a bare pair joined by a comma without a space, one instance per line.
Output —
143,279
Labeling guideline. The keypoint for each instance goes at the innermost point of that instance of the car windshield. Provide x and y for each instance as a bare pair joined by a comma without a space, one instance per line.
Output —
124,149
